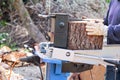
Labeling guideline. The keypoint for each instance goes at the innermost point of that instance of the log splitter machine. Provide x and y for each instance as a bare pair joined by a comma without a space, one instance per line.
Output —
60,61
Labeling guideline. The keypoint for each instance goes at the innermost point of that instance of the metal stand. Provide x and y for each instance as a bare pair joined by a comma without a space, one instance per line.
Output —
116,64
53,72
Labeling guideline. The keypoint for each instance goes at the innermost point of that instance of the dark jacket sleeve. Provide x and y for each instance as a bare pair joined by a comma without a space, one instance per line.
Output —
113,34
106,17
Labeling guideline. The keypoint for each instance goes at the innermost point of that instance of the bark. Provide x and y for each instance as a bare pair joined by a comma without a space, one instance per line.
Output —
27,22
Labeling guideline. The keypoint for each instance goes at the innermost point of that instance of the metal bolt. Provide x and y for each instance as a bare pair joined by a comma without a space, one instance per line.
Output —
67,54
61,24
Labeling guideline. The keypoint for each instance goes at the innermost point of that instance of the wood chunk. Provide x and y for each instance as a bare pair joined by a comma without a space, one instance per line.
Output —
5,49
97,73
13,56
78,38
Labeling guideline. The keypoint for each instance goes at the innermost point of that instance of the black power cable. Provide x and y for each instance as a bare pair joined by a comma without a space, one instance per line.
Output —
42,78
35,60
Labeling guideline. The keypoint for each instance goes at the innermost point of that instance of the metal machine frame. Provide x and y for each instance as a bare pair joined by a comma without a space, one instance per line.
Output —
58,56
109,55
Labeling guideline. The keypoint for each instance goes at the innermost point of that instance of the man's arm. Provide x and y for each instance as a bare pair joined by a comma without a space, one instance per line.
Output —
113,34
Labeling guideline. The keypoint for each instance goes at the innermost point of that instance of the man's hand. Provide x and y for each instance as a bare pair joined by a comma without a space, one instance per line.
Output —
95,29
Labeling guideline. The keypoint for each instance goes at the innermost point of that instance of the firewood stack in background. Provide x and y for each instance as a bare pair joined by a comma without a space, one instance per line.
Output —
9,56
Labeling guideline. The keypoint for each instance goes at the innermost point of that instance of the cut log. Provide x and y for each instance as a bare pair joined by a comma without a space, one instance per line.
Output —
79,40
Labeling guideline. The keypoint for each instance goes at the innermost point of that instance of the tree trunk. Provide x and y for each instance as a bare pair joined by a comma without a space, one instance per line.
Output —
79,40
27,21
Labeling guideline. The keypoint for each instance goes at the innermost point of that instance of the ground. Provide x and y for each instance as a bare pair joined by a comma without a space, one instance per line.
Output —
30,72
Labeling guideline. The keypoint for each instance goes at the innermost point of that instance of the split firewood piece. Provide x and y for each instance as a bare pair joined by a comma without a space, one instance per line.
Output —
10,58
13,56
4,49
97,73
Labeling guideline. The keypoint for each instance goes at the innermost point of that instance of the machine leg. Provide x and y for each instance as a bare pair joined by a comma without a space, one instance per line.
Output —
53,72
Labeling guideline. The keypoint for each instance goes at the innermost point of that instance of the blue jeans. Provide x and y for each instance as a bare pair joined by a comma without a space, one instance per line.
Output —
112,73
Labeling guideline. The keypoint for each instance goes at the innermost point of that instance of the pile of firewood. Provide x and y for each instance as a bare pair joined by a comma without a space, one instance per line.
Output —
8,60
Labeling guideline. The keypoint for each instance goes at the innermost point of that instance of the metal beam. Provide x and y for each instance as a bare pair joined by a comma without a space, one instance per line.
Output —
109,52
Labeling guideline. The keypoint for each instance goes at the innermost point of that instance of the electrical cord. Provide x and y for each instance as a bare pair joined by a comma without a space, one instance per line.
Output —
35,60
42,78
